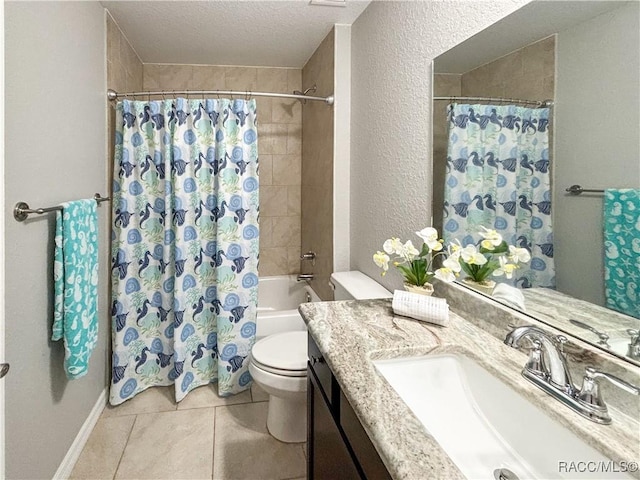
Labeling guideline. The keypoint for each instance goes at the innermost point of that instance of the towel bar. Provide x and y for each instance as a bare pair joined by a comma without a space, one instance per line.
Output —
577,190
22,210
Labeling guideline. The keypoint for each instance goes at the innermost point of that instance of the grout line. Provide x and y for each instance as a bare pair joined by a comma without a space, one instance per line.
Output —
125,448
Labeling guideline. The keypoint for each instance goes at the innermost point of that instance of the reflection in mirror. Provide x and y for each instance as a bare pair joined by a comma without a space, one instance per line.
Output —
504,157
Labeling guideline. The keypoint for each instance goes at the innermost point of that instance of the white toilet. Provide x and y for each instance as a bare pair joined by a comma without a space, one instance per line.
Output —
279,363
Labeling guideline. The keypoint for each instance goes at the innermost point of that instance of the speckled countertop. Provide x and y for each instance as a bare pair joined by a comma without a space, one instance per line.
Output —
350,334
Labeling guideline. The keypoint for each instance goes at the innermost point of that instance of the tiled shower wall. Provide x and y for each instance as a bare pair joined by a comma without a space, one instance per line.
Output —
124,74
279,147
317,169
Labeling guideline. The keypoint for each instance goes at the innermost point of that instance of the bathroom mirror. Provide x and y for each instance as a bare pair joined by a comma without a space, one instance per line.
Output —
585,56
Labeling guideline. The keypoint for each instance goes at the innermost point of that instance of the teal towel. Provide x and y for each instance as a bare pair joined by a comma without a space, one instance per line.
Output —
622,250
75,272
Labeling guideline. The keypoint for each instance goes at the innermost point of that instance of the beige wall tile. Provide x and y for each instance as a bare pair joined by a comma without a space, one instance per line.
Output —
113,41
272,79
294,263
166,77
286,111
294,201
207,77
294,139
266,232
286,232
287,169
294,80
272,138
273,261
101,454
241,78
264,107
265,166
161,446
317,167
273,201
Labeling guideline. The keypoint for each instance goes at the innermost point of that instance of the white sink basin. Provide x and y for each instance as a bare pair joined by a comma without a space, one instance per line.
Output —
484,425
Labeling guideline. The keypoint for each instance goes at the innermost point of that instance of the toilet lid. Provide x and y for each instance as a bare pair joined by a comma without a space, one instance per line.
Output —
282,351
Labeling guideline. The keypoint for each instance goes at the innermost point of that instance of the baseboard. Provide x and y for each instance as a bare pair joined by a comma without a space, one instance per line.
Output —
70,459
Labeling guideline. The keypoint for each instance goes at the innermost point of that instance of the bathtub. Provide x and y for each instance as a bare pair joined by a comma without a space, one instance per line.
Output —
278,300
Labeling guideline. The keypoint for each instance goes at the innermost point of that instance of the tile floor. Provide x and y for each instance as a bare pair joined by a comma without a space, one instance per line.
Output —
202,437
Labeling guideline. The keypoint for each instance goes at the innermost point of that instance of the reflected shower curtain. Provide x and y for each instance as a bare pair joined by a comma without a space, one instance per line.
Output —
185,245
498,177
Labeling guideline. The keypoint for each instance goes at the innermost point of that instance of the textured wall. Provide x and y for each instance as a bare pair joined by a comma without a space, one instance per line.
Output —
597,138
317,168
279,145
55,151
393,44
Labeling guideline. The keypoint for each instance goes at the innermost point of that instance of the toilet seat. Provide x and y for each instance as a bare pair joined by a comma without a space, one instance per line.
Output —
282,354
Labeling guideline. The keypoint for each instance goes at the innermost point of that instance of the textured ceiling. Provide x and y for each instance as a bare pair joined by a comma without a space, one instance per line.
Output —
251,33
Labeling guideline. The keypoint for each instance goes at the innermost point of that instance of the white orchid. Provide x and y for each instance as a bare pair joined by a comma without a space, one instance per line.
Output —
445,274
492,239
393,246
381,259
408,251
518,254
413,263
430,236
452,263
505,268
471,255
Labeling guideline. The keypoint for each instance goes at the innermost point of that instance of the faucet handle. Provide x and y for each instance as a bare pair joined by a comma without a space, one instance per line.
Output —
535,364
590,391
561,340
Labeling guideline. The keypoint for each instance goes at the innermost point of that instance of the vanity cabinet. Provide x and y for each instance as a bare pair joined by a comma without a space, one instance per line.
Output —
338,446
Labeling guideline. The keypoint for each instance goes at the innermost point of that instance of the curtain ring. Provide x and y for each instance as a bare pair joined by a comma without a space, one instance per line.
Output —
148,95
164,96
247,96
187,95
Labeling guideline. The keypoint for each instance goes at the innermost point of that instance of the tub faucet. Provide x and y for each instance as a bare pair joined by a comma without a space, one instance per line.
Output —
551,374
307,277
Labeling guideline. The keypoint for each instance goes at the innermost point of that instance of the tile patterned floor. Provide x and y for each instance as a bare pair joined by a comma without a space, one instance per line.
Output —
202,437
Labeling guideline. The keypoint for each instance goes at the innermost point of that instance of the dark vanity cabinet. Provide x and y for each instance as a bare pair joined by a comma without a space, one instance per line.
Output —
338,446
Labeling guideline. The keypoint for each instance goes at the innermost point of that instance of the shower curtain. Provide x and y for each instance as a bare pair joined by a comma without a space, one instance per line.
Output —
498,177
185,245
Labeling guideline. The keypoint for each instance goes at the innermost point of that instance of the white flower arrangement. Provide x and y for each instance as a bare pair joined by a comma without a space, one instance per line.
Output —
415,265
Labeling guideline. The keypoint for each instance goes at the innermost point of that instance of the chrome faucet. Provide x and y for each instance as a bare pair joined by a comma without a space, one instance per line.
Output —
551,374
305,277
557,371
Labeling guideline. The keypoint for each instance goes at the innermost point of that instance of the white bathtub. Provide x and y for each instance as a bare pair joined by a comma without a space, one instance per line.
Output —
278,300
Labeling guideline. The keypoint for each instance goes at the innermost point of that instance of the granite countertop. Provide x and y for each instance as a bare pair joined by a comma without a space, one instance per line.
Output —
350,334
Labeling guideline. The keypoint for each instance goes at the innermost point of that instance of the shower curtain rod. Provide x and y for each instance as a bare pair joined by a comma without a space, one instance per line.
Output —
543,104
113,95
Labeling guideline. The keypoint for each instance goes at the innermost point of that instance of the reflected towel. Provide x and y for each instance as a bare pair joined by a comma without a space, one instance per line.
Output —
622,250
509,295
75,272
421,307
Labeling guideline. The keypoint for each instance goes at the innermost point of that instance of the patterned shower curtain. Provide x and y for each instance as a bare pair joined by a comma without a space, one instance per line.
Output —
185,245
498,177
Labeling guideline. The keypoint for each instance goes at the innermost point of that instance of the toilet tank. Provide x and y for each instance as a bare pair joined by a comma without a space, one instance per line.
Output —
356,285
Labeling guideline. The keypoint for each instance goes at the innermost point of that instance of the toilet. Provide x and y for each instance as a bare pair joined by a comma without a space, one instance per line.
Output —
279,363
